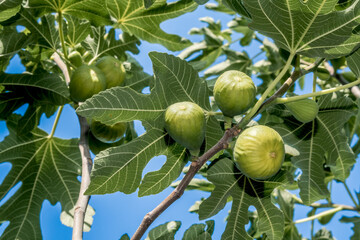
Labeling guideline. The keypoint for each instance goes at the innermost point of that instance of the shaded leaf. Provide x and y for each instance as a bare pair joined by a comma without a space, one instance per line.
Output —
356,228
77,30
42,88
8,4
10,43
47,168
323,234
93,10
353,62
125,237
45,30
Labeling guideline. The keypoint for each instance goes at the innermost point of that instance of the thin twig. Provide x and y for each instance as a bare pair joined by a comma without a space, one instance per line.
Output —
179,190
62,67
83,200
317,216
355,90
325,205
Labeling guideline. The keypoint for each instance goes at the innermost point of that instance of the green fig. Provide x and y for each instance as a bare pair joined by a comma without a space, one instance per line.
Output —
259,152
113,70
85,82
234,93
304,110
185,123
75,58
108,133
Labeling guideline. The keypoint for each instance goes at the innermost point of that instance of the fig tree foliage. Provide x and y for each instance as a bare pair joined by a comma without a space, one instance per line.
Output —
290,95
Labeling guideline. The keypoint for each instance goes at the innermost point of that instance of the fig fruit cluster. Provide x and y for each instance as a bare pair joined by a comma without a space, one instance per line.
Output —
87,81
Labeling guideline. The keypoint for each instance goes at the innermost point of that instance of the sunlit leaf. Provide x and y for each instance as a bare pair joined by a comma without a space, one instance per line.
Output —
312,28
315,139
155,182
134,18
164,231
99,45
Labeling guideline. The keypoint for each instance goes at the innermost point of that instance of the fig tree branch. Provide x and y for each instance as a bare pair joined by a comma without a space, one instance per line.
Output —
179,190
83,200
222,144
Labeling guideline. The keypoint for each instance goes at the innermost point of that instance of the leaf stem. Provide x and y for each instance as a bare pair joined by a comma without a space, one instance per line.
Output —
61,33
314,84
323,92
322,214
350,194
56,121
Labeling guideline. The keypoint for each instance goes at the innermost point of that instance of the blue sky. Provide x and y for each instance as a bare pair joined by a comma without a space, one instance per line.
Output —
118,213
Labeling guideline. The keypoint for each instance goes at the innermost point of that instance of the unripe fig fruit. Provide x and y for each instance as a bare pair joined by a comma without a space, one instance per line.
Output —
304,110
185,123
113,70
108,133
350,76
234,93
75,58
85,82
259,152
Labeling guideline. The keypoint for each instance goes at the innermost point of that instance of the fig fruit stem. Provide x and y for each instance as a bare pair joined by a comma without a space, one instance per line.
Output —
213,113
315,94
61,33
179,190
350,195
314,85
58,114
263,97
322,214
